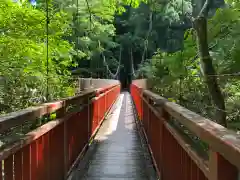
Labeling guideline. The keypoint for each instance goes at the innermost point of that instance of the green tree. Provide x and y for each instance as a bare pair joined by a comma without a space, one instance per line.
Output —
23,50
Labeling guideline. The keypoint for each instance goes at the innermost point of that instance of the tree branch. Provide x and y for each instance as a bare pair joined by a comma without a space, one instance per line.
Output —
205,9
90,13
211,47
186,35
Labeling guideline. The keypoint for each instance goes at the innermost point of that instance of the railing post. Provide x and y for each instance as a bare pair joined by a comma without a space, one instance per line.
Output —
61,114
65,151
164,117
141,102
147,119
89,117
220,168
65,143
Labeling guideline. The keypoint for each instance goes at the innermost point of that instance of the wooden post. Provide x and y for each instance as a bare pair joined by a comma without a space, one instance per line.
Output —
89,117
148,119
1,165
220,168
60,114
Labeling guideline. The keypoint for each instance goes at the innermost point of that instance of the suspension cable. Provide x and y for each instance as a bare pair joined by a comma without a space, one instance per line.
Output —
104,59
91,23
181,77
132,64
77,38
147,37
145,45
107,66
108,69
47,53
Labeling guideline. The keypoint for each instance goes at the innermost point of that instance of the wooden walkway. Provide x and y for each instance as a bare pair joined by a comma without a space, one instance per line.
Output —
118,151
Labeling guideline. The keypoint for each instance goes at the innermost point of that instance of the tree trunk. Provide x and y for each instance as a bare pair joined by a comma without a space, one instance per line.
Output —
208,71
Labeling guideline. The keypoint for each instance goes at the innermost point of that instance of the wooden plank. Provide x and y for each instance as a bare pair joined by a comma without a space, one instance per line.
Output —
8,168
33,159
1,170
18,165
26,162
79,99
56,155
221,140
221,169
29,114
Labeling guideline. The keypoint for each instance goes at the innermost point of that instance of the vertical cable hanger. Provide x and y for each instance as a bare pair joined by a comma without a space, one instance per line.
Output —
132,63
120,61
180,82
113,76
47,55
76,29
181,77
106,70
98,69
90,27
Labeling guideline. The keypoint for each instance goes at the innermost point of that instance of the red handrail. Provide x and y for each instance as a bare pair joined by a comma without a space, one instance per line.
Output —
173,153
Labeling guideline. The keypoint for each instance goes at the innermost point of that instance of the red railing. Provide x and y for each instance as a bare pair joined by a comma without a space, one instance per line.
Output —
52,150
171,131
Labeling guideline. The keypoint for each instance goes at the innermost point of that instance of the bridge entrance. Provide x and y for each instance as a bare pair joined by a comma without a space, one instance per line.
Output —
125,80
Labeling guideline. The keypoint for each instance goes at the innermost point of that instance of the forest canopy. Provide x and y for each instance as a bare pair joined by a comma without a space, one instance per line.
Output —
188,49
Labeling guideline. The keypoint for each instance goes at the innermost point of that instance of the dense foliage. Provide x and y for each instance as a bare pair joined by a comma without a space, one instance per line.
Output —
23,69
161,40
180,76
41,42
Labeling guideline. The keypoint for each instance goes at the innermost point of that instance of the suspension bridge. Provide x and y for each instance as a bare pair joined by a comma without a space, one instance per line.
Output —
106,133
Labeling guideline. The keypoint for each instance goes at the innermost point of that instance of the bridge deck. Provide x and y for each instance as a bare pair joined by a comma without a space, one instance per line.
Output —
117,151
